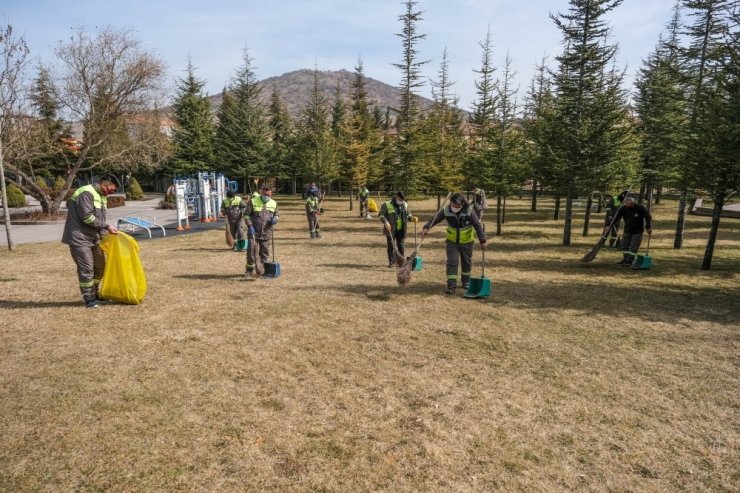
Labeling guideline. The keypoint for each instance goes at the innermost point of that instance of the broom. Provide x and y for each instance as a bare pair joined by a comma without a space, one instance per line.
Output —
229,237
595,250
403,276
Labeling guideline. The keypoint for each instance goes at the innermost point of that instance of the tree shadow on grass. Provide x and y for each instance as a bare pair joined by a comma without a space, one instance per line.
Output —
12,305
224,250
377,267
390,292
668,303
210,277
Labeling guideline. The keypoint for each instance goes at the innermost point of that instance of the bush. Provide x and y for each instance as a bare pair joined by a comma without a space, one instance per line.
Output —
116,201
168,202
134,191
58,184
16,198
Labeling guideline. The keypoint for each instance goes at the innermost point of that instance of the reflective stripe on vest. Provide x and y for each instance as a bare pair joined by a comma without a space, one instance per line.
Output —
459,226
99,201
258,205
392,210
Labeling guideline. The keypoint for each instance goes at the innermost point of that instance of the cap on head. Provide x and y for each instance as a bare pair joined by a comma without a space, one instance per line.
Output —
456,198
230,194
400,195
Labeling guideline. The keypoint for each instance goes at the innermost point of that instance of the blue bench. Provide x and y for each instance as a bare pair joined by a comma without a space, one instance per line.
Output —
138,222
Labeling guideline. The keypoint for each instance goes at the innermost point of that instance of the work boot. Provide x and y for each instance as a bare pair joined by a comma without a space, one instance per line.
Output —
450,290
92,304
313,235
318,235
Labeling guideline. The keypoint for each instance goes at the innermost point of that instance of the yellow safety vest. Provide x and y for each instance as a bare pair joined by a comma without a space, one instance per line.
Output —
99,201
459,226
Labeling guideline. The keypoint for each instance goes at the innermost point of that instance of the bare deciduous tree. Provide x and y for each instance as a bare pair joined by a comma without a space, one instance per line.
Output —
111,87
13,54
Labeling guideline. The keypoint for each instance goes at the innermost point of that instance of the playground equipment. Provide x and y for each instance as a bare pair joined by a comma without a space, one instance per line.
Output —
205,192
145,222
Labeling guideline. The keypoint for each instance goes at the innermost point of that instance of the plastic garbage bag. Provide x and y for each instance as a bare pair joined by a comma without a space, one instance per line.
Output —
124,280
371,205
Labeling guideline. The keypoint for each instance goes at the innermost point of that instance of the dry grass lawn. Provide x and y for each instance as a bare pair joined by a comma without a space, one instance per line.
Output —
570,377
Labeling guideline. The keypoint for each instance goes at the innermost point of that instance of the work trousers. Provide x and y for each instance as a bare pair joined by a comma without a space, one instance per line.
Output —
400,237
263,247
313,223
630,245
236,230
90,261
363,207
457,253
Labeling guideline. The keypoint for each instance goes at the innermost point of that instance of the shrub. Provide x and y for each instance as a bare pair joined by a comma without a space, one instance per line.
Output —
168,202
134,191
116,201
16,198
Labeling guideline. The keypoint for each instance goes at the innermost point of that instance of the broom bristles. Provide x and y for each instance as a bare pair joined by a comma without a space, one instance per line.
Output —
592,253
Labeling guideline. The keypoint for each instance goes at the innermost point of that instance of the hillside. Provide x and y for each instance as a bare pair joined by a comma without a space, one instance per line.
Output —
295,89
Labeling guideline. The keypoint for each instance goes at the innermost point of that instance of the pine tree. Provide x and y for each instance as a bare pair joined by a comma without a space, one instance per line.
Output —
507,168
408,149
242,143
280,133
362,138
482,119
537,122
701,58
193,132
589,107
314,147
661,107
716,141
444,144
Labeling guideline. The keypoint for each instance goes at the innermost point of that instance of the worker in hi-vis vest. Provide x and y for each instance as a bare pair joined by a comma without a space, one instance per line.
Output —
261,215
394,214
233,208
461,222
84,227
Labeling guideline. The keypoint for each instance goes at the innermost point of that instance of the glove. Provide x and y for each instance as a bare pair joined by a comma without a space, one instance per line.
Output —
388,227
251,231
273,221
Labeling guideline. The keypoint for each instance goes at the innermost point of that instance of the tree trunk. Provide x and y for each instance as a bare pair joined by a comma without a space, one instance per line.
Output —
503,212
587,217
680,221
658,194
439,201
719,202
351,196
498,214
649,197
339,189
534,196
568,214
556,215
6,209
641,196
294,186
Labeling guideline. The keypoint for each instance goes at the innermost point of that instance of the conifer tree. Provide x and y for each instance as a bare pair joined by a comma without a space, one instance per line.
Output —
482,119
537,127
443,141
242,136
589,108
661,107
314,147
408,149
193,132
701,58
280,133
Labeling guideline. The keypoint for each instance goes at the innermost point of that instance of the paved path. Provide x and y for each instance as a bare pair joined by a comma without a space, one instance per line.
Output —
38,233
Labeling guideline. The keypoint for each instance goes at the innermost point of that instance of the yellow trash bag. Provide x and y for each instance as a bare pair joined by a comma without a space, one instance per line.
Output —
123,280
371,205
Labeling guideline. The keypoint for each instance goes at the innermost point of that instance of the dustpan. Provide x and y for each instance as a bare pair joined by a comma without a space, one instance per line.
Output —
479,287
272,269
417,262
643,262
240,245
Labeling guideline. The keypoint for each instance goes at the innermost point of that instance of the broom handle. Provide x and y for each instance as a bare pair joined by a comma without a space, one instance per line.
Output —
483,269
647,252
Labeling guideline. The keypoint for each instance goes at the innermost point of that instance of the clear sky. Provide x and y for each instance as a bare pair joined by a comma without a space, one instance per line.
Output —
286,35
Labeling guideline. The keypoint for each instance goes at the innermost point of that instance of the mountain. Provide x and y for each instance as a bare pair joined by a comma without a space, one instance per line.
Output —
295,89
